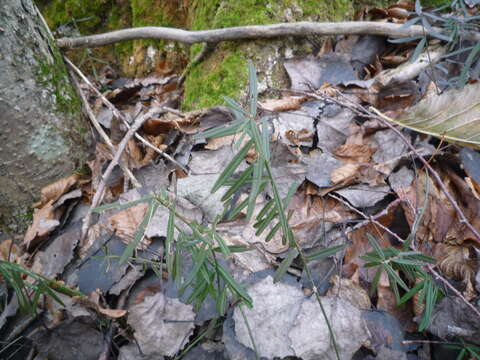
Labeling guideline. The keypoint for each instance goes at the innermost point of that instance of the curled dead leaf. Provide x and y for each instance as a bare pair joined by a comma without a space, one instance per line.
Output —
344,173
45,220
458,262
55,190
125,223
285,104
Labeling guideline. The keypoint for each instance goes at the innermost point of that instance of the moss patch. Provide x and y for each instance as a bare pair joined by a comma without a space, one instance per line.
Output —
224,74
54,78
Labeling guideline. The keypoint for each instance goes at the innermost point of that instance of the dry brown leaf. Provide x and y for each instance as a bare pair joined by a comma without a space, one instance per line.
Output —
150,154
440,223
458,262
44,221
93,302
360,245
217,143
350,290
310,213
355,153
55,190
297,137
285,104
8,251
327,46
133,155
93,233
344,173
474,187
125,223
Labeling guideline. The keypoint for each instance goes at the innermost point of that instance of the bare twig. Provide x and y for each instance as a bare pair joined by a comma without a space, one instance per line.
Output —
119,115
374,113
429,267
103,134
303,28
97,198
370,219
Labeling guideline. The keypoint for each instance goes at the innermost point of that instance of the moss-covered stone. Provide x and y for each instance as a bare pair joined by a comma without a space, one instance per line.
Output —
202,88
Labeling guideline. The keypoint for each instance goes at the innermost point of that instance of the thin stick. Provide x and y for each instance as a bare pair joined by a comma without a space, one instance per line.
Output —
299,29
429,267
97,198
119,115
376,114
103,134
387,121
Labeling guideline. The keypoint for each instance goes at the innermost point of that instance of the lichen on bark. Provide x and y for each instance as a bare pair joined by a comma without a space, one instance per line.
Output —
44,136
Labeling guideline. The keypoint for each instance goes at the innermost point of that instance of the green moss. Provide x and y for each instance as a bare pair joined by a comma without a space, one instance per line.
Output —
66,101
222,75
53,77
435,3
224,72
120,17
87,15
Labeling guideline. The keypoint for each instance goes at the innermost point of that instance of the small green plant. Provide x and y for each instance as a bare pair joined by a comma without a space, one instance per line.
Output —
409,264
208,277
467,351
30,286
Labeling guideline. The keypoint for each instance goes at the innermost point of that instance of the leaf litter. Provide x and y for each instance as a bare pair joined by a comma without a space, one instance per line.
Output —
349,169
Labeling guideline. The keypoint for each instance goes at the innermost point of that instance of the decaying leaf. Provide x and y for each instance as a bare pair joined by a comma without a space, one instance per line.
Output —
350,290
344,173
312,72
126,222
284,104
295,324
72,339
8,251
93,302
451,116
45,220
55,190
162,325
458,263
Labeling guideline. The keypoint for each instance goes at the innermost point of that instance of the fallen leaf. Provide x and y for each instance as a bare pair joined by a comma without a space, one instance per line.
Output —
55,190
284,104
344,173
351,291
162,325
126,222
451,116
355,153
296,326
45,220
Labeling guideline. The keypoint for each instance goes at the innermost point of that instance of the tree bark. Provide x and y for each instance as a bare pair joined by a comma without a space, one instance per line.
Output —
43,136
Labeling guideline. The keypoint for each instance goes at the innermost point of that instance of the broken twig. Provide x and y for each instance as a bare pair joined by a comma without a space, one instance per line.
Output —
119,115
97,198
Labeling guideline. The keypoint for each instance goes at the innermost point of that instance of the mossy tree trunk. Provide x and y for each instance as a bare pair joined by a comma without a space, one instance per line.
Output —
43,135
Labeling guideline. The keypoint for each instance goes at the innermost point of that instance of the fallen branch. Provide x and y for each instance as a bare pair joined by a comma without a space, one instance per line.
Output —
97,198
102,133
252,32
